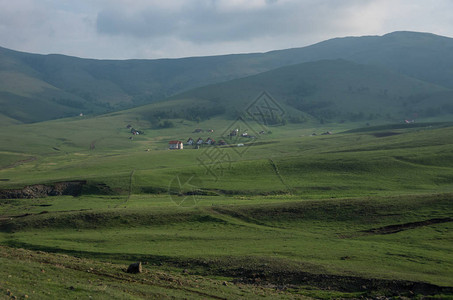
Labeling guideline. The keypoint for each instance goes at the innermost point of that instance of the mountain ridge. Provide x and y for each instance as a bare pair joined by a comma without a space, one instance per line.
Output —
332,90
93,86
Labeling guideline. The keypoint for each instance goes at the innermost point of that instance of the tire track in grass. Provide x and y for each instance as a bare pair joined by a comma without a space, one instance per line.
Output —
277,172
236,218
130,190
18,163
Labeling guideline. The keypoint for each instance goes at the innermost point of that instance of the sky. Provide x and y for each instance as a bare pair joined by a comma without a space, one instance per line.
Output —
131,29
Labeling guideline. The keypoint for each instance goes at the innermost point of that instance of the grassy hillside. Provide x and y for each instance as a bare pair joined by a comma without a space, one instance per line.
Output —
40,275
100,149
65,86
424,56
334,197
364,213
333,90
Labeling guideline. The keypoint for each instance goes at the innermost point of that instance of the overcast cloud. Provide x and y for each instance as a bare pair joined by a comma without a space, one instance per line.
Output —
121,29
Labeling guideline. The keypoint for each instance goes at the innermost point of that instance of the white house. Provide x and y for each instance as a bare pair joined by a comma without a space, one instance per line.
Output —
175,145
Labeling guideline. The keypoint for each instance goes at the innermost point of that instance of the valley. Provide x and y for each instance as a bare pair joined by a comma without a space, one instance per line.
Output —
293,210
319,176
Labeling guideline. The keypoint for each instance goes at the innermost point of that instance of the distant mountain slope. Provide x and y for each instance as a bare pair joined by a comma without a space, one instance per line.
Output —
96,86
39,87
333,90
424,56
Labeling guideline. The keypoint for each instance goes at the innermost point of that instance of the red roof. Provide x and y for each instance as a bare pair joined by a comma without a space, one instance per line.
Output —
175,142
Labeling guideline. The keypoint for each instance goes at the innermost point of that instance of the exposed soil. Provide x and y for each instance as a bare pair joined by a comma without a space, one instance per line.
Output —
278,277
295,279
341,283
400,227
71,188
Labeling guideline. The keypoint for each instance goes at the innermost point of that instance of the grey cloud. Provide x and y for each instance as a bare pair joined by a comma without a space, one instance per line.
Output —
176,28
148,23
205,22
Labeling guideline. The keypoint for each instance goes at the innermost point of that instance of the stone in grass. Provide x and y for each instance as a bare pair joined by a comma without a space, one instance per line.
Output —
135,268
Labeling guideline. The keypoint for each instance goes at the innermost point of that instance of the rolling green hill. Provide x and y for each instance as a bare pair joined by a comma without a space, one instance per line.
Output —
362,211
424,56
333,90
366,213
41,87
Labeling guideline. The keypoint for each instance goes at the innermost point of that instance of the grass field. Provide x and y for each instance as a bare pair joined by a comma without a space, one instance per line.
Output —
361,213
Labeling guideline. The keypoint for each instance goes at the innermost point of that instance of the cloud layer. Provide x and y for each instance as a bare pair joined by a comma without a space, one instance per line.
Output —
123,29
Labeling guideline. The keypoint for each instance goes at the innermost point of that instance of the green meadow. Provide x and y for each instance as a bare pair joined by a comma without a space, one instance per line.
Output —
333,192
358,213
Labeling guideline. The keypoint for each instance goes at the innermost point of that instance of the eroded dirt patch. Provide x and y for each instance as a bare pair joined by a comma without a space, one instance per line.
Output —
400,227
71,188
266,275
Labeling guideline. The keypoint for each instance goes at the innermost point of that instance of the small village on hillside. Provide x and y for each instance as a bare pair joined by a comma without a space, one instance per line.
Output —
196,144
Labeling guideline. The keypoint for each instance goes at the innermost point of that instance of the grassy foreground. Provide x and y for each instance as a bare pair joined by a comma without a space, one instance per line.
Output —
339,248
40,275
361,214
